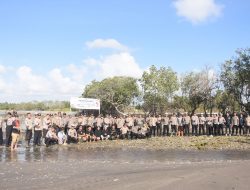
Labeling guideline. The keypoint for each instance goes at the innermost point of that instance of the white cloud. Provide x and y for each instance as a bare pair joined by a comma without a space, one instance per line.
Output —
62,83
2,69
197,11
106,43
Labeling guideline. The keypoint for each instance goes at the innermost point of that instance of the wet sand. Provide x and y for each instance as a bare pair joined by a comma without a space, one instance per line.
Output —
107,175
70,167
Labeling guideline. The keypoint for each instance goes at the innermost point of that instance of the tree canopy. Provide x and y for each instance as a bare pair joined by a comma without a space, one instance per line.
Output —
158,87
115,93
235,76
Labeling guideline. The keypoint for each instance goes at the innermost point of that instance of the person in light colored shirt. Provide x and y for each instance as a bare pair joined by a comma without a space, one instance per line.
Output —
195,124
29,126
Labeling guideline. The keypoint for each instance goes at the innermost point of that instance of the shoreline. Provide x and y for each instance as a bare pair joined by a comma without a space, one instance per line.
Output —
166,143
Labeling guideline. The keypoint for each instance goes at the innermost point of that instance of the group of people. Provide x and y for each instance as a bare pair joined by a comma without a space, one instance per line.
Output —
60,128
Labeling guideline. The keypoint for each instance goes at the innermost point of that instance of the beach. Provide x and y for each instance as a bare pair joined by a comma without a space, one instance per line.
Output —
137,164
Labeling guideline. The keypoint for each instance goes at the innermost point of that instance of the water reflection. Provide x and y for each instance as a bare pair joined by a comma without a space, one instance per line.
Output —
71,153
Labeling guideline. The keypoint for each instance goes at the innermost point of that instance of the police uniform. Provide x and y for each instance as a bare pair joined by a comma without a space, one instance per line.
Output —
152,124
228,125
46,125
195,123
166,126
235,123
209,124
1,131
241,125
9,128
37,130
158,125
28,133
186,122
222,122
174,124
130,123
202,122
120,124
215,124
180,125
247,122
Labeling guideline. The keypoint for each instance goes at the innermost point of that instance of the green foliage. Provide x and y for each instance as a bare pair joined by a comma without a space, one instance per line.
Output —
199,89
115,93
35,105
158,87
235,76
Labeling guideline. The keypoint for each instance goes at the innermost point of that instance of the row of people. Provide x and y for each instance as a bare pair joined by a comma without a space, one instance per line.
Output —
181,124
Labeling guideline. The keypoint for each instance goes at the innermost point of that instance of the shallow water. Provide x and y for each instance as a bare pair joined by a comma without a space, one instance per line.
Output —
73,153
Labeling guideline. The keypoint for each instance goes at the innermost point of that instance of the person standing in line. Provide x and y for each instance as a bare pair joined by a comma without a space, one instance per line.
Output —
235,123
222,122
215,124
187,120
120,123
37,130
130,124
99,122
174,124
202,121
180,125
241,124
29,126
46,125
65,122
247,125
166,125
91,121
209,124
195,124
9,127
152,124
15,132
1,131
228,124
158,125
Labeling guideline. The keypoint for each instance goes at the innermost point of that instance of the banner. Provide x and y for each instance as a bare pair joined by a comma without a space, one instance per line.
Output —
85,103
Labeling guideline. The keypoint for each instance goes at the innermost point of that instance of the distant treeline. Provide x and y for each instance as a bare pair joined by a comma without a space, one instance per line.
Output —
35,105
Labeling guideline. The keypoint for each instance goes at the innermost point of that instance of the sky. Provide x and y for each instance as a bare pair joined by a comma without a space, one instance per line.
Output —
51,49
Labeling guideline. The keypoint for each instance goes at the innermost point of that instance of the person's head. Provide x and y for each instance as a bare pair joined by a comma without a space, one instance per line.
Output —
29,115
201,114
89,128
80,128
9,115
235,114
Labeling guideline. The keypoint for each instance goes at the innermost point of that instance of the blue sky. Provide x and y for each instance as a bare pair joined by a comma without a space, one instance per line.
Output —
50,49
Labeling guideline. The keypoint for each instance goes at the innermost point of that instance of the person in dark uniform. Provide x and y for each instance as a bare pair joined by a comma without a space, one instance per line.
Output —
81,135
9,128
98,133
90,134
